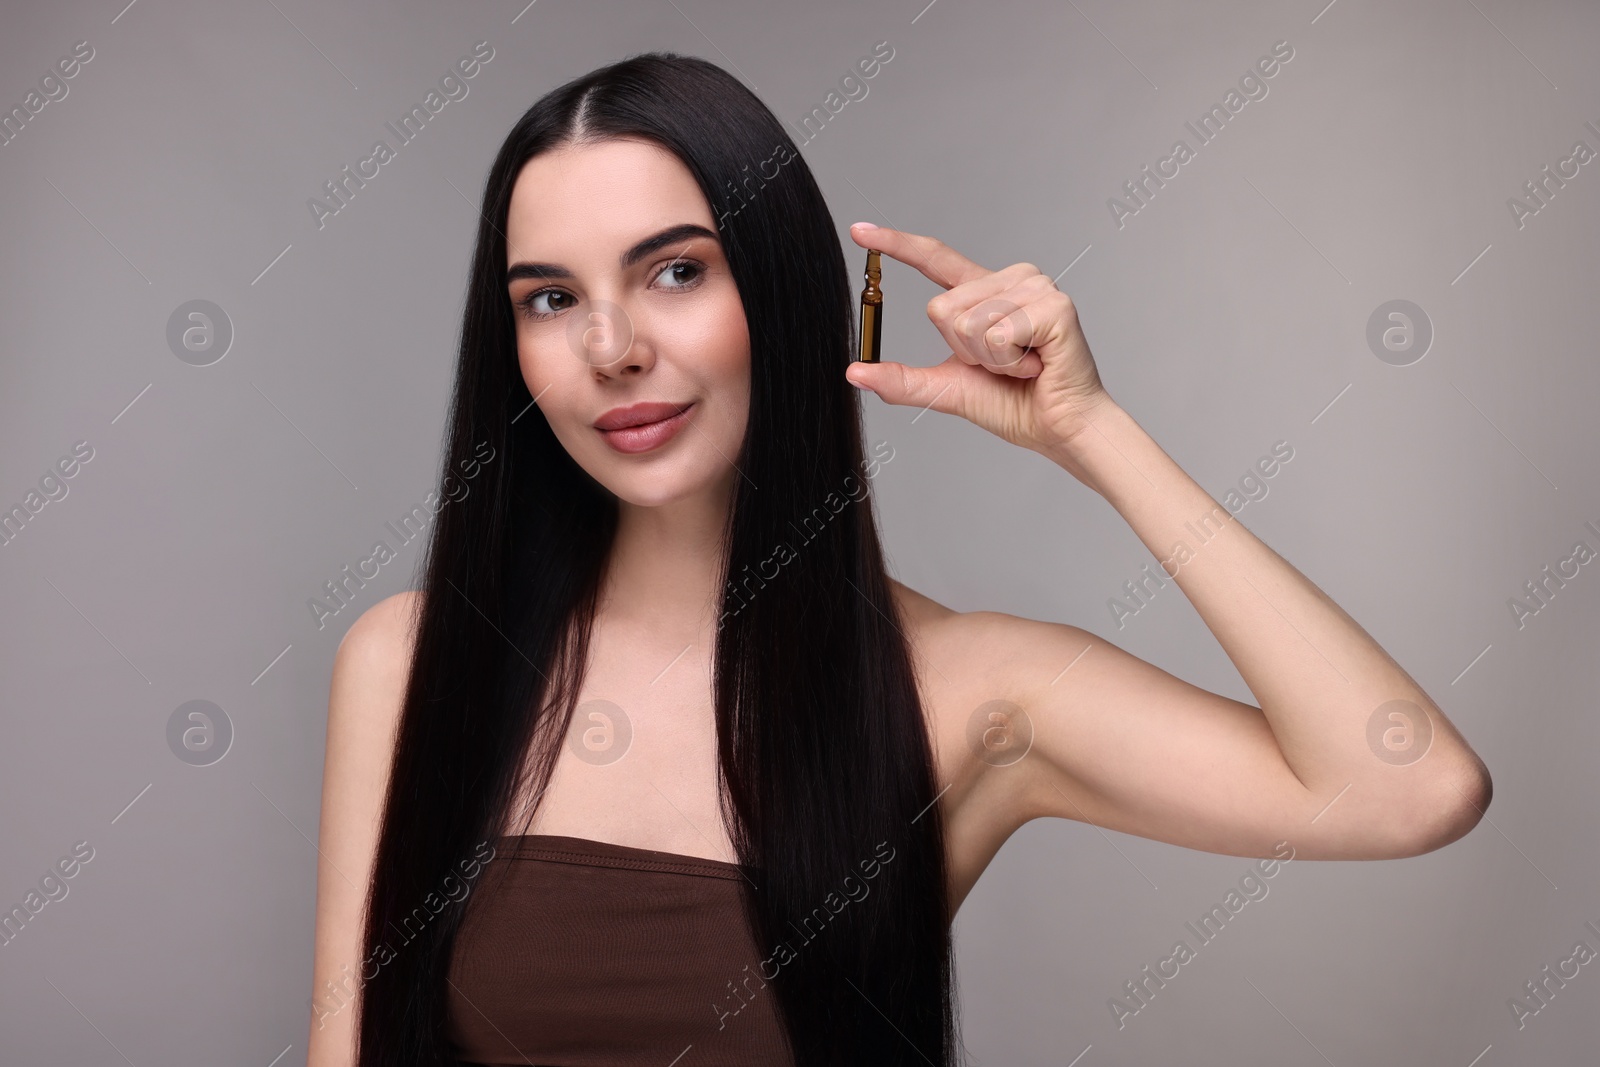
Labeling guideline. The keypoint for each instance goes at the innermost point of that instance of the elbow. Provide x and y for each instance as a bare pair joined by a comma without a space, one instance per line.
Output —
1453,804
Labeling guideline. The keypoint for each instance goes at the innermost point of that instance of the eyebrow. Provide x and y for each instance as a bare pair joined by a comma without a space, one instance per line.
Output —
671,235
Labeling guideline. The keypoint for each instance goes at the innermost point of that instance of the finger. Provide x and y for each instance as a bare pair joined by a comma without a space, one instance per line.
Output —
1009,329
987,321
936,260
946,308
944,387
1030,365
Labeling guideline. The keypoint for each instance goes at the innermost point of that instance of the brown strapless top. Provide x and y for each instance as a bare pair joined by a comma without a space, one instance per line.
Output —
589,954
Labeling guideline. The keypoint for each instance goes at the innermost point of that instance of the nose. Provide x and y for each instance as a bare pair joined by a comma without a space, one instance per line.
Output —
608,339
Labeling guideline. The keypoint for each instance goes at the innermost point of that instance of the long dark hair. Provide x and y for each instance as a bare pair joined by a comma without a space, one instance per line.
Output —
825,764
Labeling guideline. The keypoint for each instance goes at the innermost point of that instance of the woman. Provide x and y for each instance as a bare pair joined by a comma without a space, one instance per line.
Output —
658,715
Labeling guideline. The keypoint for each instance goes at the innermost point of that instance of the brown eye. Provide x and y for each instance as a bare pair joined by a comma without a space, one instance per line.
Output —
531,311
695,271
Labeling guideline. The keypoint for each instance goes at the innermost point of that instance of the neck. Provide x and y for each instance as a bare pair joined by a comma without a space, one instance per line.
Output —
662,572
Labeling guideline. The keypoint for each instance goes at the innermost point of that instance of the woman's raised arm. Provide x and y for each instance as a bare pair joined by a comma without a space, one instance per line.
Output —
1346,757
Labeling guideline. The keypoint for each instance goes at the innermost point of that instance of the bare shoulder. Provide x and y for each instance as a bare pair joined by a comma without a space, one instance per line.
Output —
971,667
987,654
973,670
919,610
366,696
380,640
365,699
940,640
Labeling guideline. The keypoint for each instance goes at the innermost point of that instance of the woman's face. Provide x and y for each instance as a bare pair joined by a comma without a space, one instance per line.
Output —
622,298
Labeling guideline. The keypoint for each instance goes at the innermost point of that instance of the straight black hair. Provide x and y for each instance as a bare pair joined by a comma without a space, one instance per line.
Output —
825,763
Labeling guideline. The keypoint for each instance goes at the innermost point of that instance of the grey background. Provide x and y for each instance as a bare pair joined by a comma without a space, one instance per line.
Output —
1228,314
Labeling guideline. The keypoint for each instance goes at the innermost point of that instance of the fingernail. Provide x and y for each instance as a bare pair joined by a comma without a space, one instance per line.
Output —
863,226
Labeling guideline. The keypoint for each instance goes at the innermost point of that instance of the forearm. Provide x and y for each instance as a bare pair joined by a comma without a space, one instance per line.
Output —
1318,677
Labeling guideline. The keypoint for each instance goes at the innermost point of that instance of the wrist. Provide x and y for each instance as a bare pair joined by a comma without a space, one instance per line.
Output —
1090,450
1092,416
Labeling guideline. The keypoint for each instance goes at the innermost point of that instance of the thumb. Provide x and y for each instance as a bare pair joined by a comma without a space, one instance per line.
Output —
938,387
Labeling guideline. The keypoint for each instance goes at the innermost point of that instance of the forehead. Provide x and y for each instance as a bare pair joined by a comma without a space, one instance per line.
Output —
576,203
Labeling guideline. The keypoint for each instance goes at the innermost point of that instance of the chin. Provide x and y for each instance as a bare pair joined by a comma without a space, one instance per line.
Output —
654,479
648,488
645,494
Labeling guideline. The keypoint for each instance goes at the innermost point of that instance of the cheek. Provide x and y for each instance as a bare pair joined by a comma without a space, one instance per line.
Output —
730,353
729,367
548,365
537,357
548,370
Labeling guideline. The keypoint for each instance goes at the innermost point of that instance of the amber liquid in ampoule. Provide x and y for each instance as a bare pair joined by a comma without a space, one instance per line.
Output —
872,311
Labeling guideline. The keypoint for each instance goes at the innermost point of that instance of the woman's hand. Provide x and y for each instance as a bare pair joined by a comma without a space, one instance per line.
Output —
1019,365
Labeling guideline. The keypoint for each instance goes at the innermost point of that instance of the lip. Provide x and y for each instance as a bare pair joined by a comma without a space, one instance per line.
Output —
642,427
637,415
